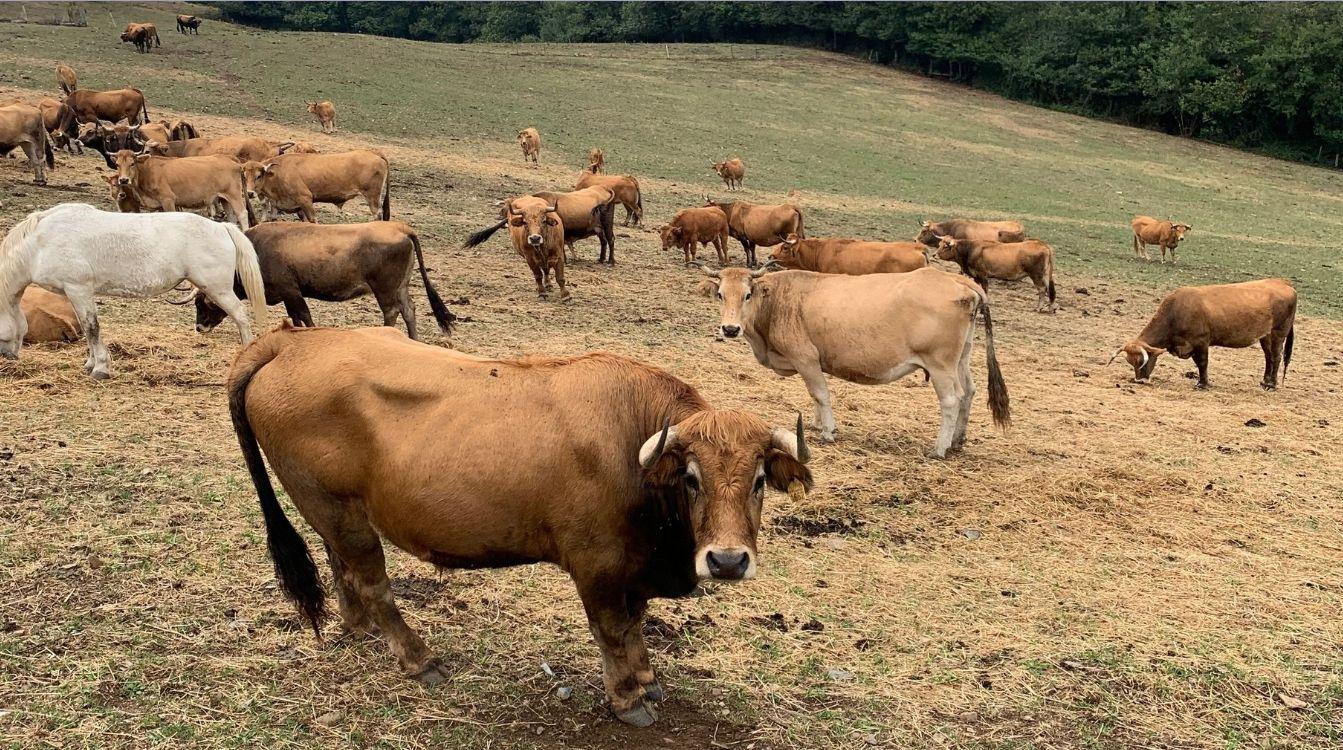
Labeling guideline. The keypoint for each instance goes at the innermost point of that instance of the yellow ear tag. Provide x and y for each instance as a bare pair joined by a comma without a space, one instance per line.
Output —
797,492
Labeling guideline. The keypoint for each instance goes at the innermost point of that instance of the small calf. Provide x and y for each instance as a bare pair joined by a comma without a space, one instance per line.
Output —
325,112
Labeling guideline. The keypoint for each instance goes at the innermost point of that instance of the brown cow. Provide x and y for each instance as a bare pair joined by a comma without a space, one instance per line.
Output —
50,317
121,104
142,35
1005,261
536,229
188,24
121,195
335,263
616,471
1193,318
732,171
530,141
292,183
65,78
752,224
626,188
325,112
21,126
596,161
848,256
240,148
1149,231
62,127
169,184
589,212
930,233
692,227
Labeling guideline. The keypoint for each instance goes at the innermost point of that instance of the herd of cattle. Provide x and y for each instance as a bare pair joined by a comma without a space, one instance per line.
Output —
628,478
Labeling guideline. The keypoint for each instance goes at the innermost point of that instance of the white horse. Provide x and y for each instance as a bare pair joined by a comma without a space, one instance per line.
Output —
82,252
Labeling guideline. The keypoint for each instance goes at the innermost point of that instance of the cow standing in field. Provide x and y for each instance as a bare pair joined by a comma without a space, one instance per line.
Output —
626,189
732,171
142,35
868,329
1005,261
62,127
530,141
616,471
758,224
188,24
848,256
1193,318
191,182
325,112
22,126
292,183
240,148
113,106
596,161
1149,231
66,78
536,229
589,212
931,233
335,263
692,227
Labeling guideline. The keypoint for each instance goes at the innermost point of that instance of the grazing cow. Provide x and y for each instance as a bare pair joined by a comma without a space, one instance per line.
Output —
1149,231
589,212
1005,261
82,252
930,233
65,78
167,184
848,256
626,188
21,126
49,317
732,171
325,112
240,148
188,24
335,263
62,127
692,227
292,183
121,104
295,147
1193,318
142,35
752,224
866,329
530,141
596,161
614,470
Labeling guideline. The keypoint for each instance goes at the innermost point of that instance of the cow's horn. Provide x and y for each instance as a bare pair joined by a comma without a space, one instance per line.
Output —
761,271
792,443
512,211
185,300
1145,357
707,271
655,445
1115,355
550,209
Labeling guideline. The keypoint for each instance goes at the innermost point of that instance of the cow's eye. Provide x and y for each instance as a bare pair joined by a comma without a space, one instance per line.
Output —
759,484
719,295
691,482
518,223
748,295
551,222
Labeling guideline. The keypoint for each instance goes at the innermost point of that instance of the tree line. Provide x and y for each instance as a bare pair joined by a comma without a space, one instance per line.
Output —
1262,76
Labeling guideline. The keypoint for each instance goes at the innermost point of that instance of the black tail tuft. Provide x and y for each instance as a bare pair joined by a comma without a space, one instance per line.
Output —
387,196
442,315
1287,350
484,234
1051,291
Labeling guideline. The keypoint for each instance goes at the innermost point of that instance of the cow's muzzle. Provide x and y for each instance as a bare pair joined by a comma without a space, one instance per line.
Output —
726,564
534,240
731,331
123,180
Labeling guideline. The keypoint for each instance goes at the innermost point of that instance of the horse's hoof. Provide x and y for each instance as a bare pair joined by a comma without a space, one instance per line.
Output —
827,437
642,715
935,456
653,692
101,374
433,675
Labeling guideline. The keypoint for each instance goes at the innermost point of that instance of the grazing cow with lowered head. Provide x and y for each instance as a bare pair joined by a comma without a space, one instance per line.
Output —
113,106
930,233
325,112
759,224
847,256
868,329
292,183
626,188
65,78
188,24
335,263
142,35
732,171
1193,318
596,161
49,316
692,227
22,126
62,127
530,141
166,184
1005,261
613,470
1149,231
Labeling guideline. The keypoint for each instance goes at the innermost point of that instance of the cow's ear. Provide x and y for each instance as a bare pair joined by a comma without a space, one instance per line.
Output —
1155,351
706,287
781,470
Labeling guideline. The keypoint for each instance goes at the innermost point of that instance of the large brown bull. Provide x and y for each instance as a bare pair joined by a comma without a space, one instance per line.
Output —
589,212
292,183
758,224
193,182
536,229
626,188
848,256
22,127
120,104
613,470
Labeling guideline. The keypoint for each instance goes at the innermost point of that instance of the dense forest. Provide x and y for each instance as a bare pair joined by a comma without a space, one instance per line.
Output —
1266,76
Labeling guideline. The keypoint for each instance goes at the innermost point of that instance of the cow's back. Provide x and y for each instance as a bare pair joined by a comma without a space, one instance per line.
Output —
336,174
1235,314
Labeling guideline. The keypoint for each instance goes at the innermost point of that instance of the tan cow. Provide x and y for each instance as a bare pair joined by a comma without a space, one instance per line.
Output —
122,196
240,148
868,329
120,104
530,141
191,182
22,127
930,233
325,112
613,470
732,171
50,317
760,224
188,24
1005,261
62,127
848,256
65,78
1193,318
142,35
292,183
1149,231
589,212
596,161
692,227
627,191
537,232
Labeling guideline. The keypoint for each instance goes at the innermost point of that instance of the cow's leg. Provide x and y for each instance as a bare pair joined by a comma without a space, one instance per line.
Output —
947,385
720,247
1173,261
559,279
1272,347
617,626
36,160
405,304
99,363
306,209
233,307
967,381
297,309
236,205
1201,360
540,281
1041,292
824,417
688,250
354,615
750,254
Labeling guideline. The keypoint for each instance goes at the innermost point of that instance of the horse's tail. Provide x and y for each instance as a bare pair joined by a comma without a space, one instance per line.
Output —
249,271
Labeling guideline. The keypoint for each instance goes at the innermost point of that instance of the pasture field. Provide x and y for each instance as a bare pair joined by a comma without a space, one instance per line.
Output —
1128,566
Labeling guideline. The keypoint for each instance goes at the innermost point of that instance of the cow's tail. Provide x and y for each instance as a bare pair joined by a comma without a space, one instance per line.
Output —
294,567
442,315
999,405
1287,349
144,106
48,153
387,194
1049,274
638,204
249,272
478,237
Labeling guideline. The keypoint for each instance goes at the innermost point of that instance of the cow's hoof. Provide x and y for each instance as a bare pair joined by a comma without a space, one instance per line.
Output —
566,300
935,456
653,692
433,675
1200,386
1269,386
642,715
40,183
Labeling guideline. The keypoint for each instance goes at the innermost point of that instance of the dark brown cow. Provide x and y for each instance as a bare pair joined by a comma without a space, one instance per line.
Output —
627,191
1005,261
616,471
335,263
292,183
692,227
121,104
848,256
61,125
168,184
1149,231
1193,318
732,171
758,224
142,35
930,233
